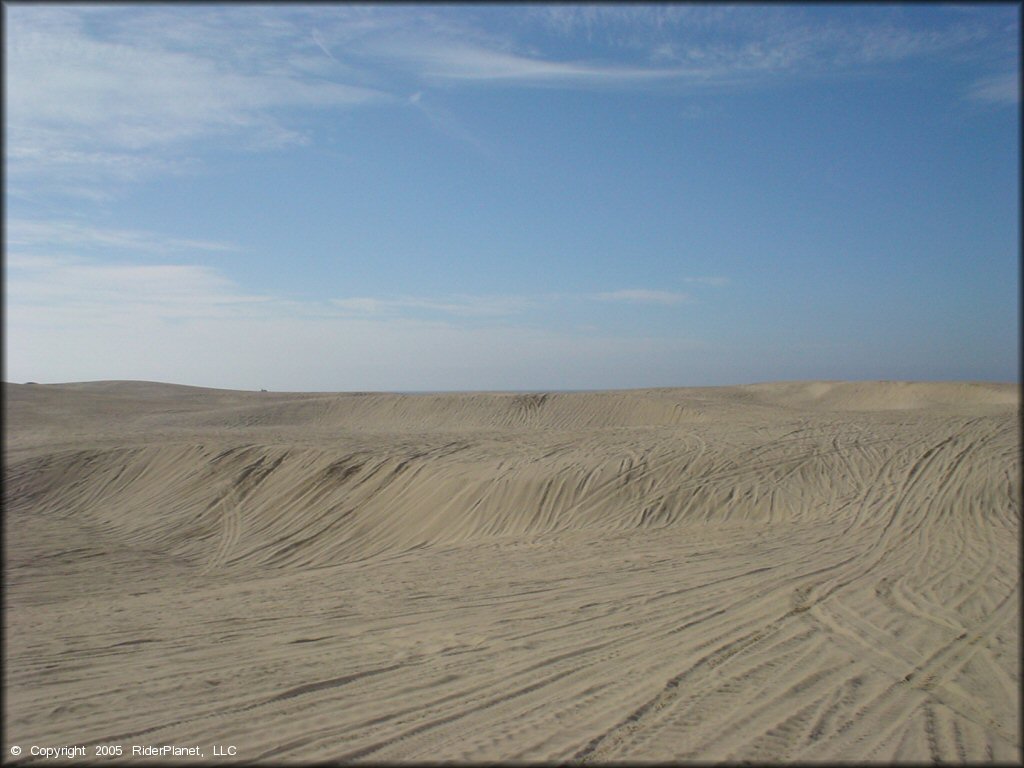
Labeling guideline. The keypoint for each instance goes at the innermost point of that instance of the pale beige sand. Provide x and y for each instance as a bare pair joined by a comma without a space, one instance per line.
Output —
796,571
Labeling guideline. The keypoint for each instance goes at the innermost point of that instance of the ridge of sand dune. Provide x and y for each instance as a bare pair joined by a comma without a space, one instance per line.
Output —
783,571
885,395
151,404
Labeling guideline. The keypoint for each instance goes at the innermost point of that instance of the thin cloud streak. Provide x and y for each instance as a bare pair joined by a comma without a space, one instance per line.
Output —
25,233
644,296
508,305
998,89
466,306
461,63
446,123
715,281
84,291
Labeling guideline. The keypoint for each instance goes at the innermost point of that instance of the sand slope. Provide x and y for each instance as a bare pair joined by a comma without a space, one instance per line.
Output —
784,571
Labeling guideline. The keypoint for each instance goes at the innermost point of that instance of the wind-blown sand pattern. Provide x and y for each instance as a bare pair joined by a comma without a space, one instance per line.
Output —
780,572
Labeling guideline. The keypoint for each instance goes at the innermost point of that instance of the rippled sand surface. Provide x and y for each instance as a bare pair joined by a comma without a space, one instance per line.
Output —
796,571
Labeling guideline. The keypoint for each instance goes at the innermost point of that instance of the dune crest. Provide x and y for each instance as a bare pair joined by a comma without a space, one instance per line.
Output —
886,395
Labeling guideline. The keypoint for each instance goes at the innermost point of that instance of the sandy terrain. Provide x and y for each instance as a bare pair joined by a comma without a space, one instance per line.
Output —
798,571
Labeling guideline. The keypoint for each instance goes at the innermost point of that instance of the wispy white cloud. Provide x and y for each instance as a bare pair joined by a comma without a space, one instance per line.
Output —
482,306
464,306
47,153
27,233
86,292
464,63
361,304
115,105
738,41
631,26
101,96
315,34
68,269
997,89
644,296
716,281
445,122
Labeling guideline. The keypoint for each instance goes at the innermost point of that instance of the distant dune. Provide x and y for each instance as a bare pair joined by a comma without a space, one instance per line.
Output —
783,571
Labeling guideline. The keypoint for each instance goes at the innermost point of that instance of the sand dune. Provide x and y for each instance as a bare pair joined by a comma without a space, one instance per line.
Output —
787,571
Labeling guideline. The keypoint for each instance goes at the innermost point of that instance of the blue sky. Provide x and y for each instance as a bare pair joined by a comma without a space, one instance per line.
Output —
361,197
